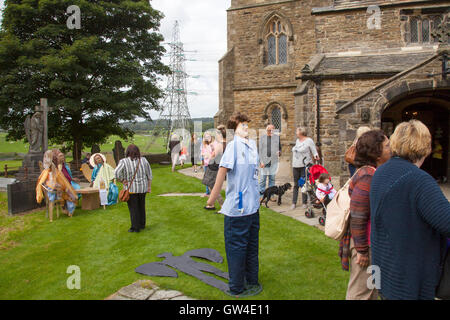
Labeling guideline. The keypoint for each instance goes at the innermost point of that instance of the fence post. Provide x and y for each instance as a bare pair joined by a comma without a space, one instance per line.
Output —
6,171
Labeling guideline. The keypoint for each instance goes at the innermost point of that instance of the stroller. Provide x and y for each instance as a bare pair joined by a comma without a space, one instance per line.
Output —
309,188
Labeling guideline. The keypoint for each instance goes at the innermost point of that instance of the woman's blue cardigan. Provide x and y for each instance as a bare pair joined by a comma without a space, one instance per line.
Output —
410,221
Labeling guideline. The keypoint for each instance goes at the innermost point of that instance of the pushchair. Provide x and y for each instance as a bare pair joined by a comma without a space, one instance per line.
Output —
309,188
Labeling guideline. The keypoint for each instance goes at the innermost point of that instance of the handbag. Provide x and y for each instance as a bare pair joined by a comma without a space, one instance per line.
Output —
443,290
124,194
338,213
350,155
213,166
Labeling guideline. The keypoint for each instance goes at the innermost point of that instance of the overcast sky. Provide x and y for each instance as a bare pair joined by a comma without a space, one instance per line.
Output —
203,28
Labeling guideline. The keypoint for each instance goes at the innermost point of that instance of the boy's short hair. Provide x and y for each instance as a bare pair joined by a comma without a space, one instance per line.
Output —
236,118
411,141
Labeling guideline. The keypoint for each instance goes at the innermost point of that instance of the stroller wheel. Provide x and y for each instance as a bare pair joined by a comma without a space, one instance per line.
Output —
309,213
322,221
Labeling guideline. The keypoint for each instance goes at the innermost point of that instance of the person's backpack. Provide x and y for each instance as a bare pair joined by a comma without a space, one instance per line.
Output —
338,213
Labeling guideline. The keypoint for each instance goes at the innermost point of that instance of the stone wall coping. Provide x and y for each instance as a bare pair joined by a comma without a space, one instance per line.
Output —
260,5
358,6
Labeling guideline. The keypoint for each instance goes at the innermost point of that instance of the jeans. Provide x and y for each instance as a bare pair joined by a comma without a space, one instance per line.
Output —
207,189
136,205
241,246
298,172
262,182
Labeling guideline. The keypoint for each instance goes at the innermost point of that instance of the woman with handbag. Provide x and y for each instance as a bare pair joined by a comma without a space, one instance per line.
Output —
136,175
372,150
350,153
218,148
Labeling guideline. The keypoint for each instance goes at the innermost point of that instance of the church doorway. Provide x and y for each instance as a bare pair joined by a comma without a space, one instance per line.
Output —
433,109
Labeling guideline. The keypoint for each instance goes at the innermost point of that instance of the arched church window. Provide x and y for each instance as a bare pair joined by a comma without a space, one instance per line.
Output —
277,44
276,118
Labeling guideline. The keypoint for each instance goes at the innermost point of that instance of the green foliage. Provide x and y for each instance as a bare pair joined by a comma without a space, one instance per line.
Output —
93,77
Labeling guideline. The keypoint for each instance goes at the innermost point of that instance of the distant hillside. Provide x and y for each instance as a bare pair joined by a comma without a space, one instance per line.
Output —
207,123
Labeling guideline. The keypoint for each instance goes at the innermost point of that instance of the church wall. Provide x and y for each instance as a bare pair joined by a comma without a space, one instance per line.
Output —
341,31
244,34
254,102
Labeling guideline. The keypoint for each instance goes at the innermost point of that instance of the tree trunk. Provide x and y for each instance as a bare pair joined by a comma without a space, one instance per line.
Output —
76,152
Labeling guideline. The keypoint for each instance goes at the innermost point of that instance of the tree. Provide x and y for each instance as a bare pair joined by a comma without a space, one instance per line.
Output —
93,77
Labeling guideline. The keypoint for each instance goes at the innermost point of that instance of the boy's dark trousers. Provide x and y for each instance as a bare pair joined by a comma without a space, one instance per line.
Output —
241,246
136,205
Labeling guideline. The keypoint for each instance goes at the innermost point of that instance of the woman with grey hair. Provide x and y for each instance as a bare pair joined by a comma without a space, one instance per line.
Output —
303,154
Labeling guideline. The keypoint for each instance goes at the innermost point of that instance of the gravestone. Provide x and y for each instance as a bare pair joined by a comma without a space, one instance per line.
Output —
22,197
118,151
22,193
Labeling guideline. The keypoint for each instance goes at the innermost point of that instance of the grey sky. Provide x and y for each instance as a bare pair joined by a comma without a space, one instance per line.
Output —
203,29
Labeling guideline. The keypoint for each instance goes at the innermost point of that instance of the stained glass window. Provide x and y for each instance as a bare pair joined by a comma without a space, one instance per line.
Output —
276,118
272,50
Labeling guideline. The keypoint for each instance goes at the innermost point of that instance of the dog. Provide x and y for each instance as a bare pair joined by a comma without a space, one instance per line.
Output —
280,190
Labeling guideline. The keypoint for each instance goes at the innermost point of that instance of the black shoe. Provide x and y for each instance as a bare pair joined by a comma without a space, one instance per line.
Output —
133,230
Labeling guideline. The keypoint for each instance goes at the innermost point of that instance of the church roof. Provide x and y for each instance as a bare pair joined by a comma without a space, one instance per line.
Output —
361,65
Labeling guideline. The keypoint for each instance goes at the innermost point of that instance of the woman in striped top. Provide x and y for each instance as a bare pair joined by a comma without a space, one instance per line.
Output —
140,186
372,150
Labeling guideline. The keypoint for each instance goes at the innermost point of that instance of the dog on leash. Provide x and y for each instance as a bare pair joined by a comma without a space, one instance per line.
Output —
275,190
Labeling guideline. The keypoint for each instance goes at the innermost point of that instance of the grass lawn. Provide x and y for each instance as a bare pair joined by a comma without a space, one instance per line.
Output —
9,148
296,261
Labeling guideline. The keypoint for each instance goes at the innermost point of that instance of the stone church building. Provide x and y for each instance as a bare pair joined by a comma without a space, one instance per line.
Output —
333,66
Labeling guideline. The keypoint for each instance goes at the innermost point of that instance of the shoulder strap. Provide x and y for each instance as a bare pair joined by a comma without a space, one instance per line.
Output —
134,176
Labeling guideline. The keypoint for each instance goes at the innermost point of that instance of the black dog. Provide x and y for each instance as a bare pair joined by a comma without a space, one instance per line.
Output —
275,190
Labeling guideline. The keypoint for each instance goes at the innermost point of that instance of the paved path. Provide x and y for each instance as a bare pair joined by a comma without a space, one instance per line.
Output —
146,290
298,213
285,208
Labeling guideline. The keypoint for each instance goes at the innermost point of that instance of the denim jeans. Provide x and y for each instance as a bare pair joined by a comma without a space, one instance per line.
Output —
262,182
242,246
297,173
207,189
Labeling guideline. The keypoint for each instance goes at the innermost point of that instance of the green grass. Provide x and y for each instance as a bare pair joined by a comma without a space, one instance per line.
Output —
296,261
9,149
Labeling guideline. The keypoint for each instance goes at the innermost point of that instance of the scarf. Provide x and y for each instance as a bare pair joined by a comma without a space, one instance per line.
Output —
66,173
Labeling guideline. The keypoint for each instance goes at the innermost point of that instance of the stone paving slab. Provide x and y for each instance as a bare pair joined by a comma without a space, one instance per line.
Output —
146,290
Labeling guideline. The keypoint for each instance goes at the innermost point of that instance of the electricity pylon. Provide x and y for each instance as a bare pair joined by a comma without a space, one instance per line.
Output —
175,112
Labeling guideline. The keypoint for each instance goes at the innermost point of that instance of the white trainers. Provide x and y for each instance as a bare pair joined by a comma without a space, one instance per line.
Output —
293,206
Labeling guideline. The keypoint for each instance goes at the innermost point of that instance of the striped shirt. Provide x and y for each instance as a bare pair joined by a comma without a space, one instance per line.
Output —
359,191
125,171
